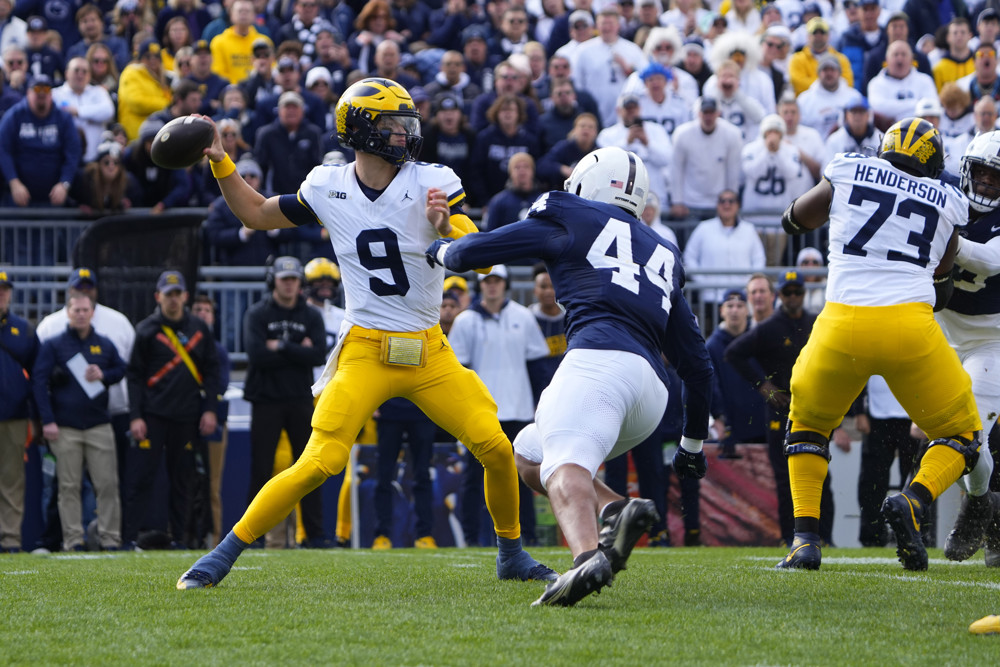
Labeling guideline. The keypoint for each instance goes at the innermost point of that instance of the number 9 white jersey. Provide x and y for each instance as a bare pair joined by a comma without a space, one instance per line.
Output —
380,244
888,231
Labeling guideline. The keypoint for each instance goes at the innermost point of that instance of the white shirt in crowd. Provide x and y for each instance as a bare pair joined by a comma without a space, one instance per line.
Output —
712,245
94,108
657,152
897,98
704,164
498,348
822,109
596,72
769,181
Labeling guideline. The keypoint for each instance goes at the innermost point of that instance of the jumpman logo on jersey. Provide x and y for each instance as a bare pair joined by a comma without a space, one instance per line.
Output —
406,196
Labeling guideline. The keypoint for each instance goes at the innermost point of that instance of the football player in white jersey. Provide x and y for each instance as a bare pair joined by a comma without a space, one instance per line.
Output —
892,249
381,212
322,285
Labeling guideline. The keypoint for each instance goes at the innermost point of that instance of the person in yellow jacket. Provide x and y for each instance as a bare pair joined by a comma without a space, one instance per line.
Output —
142,88
232,50
803,66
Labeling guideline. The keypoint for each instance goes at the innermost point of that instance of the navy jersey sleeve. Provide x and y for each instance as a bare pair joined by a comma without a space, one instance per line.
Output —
685,348
534,237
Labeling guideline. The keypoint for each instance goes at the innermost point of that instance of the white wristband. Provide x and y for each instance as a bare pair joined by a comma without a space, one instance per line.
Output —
690,444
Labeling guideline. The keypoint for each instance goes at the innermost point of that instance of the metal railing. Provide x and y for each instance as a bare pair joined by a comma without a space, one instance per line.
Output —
40,287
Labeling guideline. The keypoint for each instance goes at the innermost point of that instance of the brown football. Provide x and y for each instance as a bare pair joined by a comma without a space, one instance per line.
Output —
179,143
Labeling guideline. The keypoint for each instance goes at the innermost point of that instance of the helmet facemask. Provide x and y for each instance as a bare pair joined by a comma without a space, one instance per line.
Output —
376,135
980,183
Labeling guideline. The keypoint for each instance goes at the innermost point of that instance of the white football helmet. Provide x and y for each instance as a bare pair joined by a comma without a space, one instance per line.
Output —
981,158
611,175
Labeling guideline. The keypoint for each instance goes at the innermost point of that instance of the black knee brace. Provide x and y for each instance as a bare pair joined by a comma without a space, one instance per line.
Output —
806,442
969,450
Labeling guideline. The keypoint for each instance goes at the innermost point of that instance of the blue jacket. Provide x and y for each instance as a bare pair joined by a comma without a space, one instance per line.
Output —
60,398
18,349
566,152
490,155
733,397
39,151
854,45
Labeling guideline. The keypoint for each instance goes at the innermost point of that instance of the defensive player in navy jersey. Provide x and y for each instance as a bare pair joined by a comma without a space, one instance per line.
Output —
892,248
380,211
621,284
970,323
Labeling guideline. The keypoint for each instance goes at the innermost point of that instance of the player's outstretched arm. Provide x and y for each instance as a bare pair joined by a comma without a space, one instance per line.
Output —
810,211
253,209
982,258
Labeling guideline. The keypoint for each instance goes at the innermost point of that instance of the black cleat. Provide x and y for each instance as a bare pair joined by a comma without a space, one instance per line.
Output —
622,530
904,513
576,584
805,553
969,533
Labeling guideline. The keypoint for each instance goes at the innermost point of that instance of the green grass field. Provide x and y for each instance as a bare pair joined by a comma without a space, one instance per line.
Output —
707,606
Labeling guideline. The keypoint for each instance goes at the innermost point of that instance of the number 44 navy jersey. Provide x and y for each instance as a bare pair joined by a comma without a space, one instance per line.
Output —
619,282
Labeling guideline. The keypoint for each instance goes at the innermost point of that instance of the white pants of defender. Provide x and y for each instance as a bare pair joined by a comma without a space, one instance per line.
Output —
982,363
600,404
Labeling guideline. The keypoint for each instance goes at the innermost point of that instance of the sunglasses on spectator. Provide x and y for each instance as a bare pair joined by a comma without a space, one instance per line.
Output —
810,262
793,291
42,90
727,200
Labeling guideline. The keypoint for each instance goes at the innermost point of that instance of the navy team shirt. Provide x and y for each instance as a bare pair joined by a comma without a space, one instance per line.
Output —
619,281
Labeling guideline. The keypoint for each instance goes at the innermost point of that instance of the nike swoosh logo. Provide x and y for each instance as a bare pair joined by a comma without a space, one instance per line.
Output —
993,229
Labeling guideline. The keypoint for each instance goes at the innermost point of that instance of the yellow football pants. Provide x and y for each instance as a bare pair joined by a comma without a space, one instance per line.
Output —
901,343
451,395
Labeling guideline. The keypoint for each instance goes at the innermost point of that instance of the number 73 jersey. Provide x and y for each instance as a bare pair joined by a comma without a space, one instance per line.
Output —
888,231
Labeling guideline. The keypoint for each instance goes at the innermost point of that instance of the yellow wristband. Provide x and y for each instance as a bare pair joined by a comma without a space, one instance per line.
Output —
222,169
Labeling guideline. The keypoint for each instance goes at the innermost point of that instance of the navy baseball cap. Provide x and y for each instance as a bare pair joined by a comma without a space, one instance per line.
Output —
790,279
171,281
5,280
80,276
735,294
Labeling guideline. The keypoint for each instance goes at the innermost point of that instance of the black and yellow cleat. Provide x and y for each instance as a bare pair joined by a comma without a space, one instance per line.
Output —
904,513
805,553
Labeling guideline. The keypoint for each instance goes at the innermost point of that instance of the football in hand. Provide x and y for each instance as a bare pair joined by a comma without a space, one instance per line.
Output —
181,142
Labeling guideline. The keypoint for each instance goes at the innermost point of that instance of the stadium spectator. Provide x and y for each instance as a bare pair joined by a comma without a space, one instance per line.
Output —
660,100
693,62
260,83
193,12
289,79
509,80
822,105
332,55
186,100
375,168
551,318
735,106
497,142
177,35
15,68
13,29
557,164
744,51
132,22
142,89
514,32
706,162
387,59
926,17
858,133
984,81
512,203
775,44
39,149
42,58
604,62
288,148
724,241
959,59
686,16
285,338
304,27
737,407
374,25
90,106
103,186
90,22
775,345
559,70
322,292
647,139
897,28
452,78
171,404
804,65
73,409
498,339
232,50
581,30
202,73
161,188
770,167
861,38
448,22
811,258
19,348
103,70
651,218
807,140
449,140
894,91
